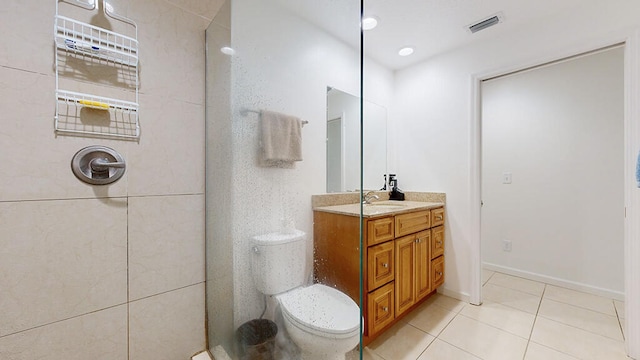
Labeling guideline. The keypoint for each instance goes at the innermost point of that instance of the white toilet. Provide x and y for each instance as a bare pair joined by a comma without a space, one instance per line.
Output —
323,322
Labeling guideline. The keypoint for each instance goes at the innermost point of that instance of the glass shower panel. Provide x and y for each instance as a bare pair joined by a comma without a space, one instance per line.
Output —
277,56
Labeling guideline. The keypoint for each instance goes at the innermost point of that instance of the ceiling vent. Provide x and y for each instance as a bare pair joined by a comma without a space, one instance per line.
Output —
488,22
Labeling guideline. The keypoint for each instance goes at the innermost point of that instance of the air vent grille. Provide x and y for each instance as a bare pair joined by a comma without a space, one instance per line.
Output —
484,24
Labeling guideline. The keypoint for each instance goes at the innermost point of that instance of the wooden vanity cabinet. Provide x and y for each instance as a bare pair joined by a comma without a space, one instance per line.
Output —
402,263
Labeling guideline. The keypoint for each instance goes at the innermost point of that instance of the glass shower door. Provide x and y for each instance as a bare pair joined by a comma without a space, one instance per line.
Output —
267,57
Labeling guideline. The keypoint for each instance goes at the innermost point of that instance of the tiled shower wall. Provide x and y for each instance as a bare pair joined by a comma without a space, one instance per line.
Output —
112,272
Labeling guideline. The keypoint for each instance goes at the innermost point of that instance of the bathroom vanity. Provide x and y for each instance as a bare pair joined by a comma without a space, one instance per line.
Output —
402,252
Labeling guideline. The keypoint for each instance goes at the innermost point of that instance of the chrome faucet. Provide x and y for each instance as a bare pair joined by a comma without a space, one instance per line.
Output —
366,198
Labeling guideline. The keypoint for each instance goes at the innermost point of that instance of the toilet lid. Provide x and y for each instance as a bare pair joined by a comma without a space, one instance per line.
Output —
322,308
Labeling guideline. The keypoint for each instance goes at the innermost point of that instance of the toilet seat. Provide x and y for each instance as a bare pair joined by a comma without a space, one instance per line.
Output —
321,310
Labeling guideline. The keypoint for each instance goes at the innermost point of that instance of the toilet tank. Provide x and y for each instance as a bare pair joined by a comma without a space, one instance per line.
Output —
278,261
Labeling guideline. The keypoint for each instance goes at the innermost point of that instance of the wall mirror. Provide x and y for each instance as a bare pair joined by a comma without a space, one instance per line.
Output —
343,143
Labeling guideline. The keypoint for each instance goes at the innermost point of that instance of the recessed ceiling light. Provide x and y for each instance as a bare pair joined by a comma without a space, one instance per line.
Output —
369,23
405,51
227,50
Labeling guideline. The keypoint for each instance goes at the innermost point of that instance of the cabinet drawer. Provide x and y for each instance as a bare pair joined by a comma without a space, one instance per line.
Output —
380,307
437,217
379,230
413,222
437,272
380,264
437,241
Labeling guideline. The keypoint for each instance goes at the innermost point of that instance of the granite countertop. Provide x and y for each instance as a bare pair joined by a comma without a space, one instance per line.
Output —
380,208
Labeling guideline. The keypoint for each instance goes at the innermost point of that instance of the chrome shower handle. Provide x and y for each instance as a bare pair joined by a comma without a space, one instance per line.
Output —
102,164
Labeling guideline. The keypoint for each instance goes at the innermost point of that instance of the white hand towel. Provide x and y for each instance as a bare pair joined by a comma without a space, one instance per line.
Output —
281,138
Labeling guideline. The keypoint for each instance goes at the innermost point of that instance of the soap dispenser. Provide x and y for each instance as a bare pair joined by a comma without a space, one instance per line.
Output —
395,193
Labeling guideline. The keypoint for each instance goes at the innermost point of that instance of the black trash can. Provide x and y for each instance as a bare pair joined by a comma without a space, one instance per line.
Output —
256,339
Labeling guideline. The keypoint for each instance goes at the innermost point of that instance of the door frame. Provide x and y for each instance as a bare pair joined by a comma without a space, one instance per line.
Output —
631,192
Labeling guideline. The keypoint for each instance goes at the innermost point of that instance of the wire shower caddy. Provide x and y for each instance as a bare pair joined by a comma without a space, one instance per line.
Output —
96,47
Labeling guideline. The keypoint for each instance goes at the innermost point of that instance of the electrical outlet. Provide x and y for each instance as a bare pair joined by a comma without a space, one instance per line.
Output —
506,178
506,245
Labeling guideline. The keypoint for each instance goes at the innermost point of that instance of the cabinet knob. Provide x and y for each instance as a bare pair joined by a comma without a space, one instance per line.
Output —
385,265
385,309
439,217
439,273
439,242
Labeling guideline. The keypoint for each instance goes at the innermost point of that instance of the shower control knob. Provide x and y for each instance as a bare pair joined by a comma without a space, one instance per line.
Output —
98,165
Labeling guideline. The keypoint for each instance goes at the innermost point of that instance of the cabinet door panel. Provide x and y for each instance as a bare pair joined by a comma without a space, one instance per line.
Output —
380,230
412,222
437,271
437,217
423,263
380,265
437,241
405,273
380,308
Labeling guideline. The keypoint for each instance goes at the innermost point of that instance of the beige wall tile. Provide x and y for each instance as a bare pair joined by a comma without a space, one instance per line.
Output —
170,156
101,335
171,50
60,259
166,243
29,44
37,159
167,326
204,9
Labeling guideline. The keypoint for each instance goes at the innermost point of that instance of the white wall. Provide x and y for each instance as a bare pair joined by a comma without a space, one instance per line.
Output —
432,108
284,64
559,131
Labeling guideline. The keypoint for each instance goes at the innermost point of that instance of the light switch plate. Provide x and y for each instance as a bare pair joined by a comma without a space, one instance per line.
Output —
506,178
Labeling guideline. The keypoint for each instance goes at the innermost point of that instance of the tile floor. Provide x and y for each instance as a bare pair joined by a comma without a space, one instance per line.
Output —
519,319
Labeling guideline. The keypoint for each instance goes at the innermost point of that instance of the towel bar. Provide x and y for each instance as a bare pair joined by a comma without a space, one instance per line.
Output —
245,111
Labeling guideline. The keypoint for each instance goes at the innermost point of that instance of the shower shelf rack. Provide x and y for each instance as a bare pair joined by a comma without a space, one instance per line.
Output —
96,48
86,39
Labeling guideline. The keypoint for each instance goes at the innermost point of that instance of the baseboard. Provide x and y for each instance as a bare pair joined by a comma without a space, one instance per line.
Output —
594,290
464,297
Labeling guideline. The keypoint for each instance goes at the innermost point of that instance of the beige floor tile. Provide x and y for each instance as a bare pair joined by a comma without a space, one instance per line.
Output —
502,317
440,350
585,319
367,354
486,275
430,318
539,352
583,300
401,342
446,302
576,342
483,341
517,283
619,305
512,298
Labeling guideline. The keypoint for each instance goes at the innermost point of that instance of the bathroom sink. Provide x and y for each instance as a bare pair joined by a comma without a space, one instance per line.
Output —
381,206
385,205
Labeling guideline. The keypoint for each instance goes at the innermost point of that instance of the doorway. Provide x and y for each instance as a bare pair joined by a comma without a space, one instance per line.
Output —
631,192
552,173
